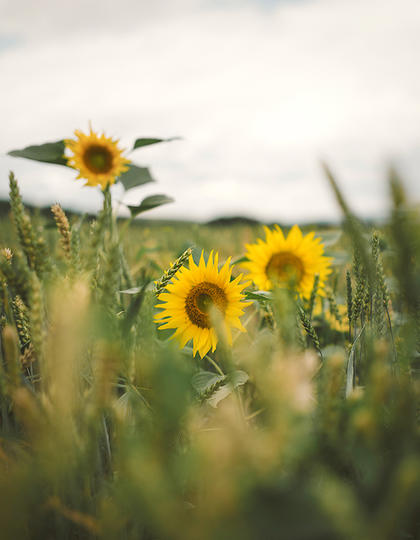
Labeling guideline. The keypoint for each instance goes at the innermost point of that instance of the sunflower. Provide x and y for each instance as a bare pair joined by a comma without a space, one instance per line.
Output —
96,157
279,261
193,294
341,324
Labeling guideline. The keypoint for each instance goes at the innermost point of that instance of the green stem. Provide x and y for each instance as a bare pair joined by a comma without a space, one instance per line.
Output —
215,365
394,350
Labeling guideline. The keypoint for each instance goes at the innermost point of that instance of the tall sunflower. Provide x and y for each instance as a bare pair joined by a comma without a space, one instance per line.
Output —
96,157
278,260
193,294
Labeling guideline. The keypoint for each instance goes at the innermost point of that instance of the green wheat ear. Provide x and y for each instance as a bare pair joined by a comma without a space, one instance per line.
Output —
22,222
33,245
10,343
361,285
21,314
165,279
63,227
37,317
16,274
309,329
380,293
349,295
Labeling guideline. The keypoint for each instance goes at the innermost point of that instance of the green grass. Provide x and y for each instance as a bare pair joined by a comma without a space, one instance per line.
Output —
306,428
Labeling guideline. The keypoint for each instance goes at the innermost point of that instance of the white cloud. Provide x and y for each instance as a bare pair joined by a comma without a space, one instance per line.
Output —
258,95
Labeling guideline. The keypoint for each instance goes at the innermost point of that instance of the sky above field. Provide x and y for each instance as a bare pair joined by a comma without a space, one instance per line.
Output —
259,90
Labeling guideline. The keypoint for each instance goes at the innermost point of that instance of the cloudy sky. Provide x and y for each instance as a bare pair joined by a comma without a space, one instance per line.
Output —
259,90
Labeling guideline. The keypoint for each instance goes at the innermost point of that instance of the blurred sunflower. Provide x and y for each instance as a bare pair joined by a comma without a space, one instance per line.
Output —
280,261
191,297
340,324
96,157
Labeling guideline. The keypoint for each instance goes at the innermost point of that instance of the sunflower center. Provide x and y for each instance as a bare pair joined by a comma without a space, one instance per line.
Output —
201,299
98,159
285,267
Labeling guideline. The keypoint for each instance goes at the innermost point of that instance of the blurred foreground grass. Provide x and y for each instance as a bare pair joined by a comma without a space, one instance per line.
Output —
107,430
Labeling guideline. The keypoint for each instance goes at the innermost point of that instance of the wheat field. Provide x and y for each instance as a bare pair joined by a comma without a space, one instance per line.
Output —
304,426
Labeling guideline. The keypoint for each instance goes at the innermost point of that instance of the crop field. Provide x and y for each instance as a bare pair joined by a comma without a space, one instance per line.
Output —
179,381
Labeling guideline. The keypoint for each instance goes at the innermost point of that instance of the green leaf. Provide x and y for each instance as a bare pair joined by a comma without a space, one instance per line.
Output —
135,176
329,238
240,260
235,379
147,141
260,296
202,380
48,153
238,378
350,365
148,203
134,308
133,290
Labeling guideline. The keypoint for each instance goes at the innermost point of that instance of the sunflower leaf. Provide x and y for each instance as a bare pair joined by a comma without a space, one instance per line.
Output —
235,379
135,176
214,387
52,152
203,380
147,141
148,203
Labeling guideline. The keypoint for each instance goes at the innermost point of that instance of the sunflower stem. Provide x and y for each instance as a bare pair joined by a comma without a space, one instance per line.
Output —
215,365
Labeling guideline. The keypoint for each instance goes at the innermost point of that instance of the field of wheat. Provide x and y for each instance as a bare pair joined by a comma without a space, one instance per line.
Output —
297,421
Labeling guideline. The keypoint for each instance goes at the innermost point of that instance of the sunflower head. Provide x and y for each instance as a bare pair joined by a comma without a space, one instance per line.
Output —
194,295
281,261
97,158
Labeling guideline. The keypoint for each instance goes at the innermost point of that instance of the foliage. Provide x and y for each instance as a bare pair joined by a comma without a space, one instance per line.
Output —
132,176
306,428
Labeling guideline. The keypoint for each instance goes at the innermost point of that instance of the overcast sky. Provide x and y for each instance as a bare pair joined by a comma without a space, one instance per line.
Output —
259,91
